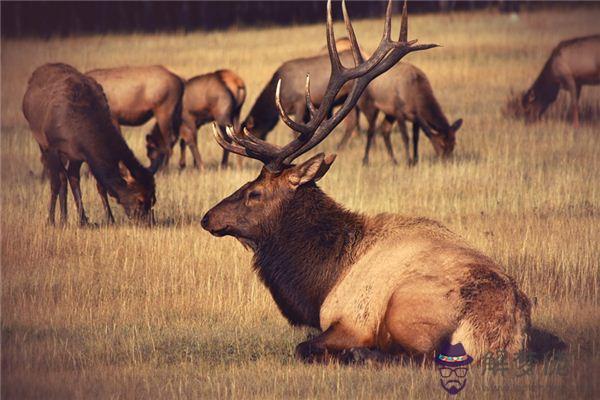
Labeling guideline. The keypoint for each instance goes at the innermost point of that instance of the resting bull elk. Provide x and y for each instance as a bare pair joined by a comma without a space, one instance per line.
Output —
69,117
136,94
572,64
384,283
405,94
217,96
263,115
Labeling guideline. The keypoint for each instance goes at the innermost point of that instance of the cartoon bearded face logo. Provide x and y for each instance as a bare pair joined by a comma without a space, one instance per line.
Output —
453,365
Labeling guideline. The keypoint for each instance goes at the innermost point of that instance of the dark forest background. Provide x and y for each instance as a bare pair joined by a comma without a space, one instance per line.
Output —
51,18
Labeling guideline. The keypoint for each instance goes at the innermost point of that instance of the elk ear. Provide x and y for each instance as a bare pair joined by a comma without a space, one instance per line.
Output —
125,173
311,170
456,125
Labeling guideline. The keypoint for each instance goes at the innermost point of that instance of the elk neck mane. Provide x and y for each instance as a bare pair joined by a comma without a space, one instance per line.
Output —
434,116
546,86
103,159
309,245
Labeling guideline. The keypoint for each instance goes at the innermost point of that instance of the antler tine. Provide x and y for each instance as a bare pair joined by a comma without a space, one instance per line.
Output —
336,63
250,141
231,142
387,26
286,118
404,25
358,59
309,103
220,138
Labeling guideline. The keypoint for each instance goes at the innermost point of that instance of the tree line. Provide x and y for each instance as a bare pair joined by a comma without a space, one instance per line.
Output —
61,18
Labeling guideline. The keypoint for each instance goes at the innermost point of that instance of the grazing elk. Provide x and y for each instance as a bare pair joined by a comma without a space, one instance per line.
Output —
217,96
389,283
70,119
405,94
263,115
572,64
136,94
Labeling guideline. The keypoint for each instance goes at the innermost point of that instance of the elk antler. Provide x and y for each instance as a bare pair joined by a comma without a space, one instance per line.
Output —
387,54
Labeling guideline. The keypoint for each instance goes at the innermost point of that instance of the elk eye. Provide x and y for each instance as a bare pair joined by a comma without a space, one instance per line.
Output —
255,194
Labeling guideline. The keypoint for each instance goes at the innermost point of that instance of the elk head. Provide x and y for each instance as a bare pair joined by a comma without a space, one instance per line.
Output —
444,142
531,106
138,196
250,211
536,100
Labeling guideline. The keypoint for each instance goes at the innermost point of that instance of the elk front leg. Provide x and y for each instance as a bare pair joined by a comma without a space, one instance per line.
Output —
575,104
55,186
164,121
415,138
350,128
73,173
569,84
110,219
386,131
190,136
337,342
58,187
371,118
182,156
62,198
45,172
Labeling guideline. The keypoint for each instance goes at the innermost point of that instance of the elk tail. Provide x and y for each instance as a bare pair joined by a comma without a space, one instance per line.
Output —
237,92
177,115
482,333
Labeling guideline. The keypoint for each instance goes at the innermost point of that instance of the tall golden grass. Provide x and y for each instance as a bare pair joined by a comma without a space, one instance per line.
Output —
170,311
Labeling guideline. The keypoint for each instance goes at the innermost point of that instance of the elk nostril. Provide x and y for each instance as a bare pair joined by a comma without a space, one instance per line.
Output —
204,221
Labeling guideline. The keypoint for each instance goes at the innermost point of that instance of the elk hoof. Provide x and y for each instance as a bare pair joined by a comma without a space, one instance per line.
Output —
308,353
359,355
87,224
365,162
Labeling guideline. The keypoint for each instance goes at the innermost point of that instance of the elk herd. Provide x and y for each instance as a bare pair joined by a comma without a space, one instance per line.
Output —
374,285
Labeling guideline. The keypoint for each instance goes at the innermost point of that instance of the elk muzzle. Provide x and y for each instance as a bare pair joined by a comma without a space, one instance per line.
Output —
211,223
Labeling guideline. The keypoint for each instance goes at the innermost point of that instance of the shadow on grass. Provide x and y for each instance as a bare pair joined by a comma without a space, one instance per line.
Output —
544,344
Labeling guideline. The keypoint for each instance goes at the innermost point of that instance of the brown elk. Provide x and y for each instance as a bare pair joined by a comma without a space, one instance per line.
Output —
136,94
217,96
572,64
405,94
71,121
388,283
263,115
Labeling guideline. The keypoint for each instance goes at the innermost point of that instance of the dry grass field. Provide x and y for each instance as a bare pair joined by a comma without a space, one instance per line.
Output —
171,311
